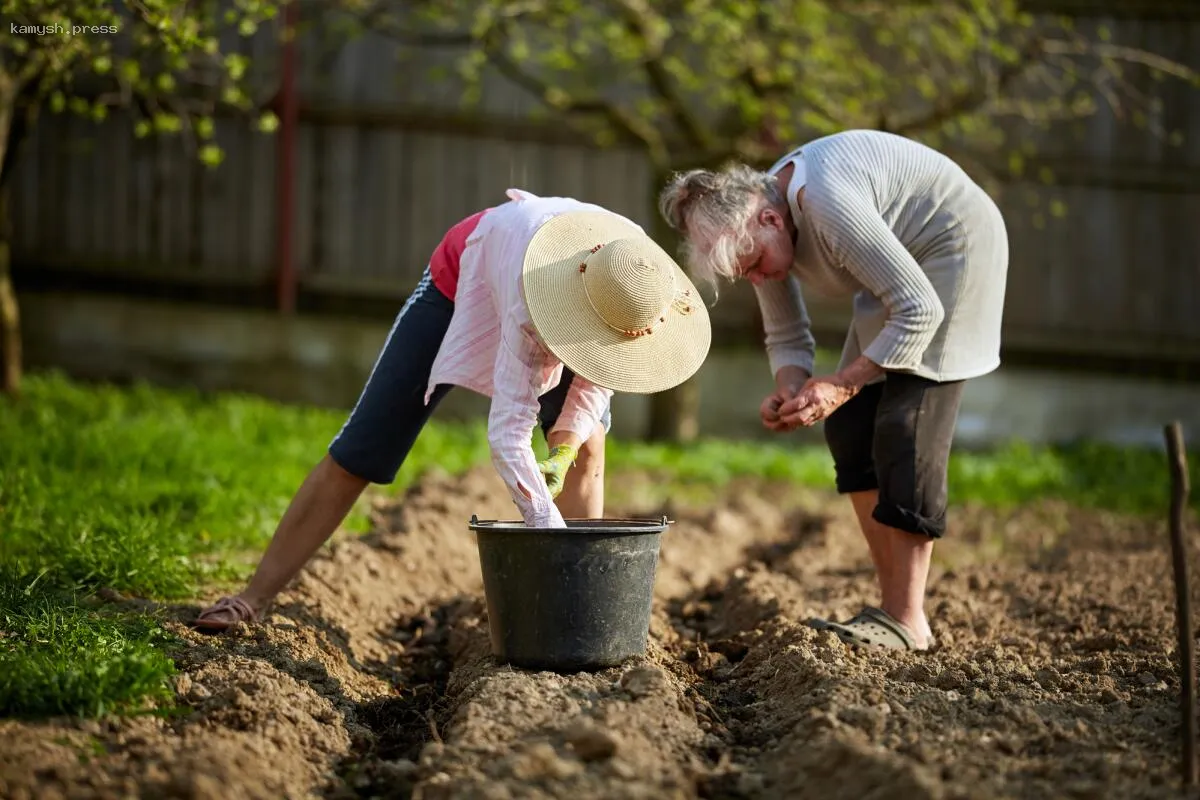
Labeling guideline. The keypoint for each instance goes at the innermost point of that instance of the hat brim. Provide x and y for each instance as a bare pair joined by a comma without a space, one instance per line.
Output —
575,333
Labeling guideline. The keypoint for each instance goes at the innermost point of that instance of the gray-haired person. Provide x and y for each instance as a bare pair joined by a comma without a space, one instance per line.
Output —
923,252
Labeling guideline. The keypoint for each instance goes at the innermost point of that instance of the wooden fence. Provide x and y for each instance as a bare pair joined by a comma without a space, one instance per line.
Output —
387,160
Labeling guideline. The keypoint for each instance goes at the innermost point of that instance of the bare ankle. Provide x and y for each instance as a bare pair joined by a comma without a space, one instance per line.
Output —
255,600
914,620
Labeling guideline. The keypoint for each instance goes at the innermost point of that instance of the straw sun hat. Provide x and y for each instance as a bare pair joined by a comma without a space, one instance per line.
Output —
612,305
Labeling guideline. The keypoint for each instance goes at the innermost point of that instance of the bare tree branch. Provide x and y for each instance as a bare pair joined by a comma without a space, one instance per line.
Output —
622,120
1116,52
637,14
380,19
977,96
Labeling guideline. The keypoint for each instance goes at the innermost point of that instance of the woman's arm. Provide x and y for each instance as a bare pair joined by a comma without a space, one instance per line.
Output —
787,328
511,420
869,250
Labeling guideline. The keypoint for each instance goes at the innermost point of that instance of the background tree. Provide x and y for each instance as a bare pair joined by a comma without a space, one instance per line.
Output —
163,59
699,82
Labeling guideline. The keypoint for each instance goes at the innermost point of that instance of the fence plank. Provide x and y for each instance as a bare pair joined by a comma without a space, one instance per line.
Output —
260,252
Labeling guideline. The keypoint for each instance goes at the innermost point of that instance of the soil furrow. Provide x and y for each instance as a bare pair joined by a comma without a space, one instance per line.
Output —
1051,688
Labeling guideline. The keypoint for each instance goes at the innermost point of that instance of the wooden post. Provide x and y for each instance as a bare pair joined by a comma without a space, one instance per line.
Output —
1177,459
286,200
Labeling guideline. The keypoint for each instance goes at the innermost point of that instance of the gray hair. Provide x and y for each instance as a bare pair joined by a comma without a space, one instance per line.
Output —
714,212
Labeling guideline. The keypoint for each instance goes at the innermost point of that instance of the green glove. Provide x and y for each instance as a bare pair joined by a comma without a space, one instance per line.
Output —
555,467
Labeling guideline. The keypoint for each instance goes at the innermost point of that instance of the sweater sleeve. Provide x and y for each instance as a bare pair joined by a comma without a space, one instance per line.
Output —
788,329
866,246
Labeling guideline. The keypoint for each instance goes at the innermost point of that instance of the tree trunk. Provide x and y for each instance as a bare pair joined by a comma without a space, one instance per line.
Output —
10,316
675,413
13,119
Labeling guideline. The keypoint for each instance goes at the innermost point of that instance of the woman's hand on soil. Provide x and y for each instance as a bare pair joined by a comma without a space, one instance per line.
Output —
555,467
818,398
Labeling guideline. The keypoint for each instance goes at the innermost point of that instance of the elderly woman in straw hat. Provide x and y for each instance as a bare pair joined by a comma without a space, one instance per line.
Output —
548,306
923,252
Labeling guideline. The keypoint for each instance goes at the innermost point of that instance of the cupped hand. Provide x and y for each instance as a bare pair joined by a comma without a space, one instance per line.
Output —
815,401
769,410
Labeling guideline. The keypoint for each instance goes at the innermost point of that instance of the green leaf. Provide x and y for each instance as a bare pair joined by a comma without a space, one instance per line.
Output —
211,155
167,123
58,102
268,122
142,128
1016,164
236,65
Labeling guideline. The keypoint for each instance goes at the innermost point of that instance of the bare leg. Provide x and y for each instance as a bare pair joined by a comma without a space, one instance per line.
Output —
582,496
320,505
902,562
878,541
905,598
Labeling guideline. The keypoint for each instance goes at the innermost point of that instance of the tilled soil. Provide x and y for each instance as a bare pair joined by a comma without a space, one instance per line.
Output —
1054,673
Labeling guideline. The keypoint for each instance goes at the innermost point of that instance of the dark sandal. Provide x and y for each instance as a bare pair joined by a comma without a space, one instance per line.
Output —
238,610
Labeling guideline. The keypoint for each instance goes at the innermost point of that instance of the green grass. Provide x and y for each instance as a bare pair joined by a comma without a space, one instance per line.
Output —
58,656
145,490
158,493
1090,475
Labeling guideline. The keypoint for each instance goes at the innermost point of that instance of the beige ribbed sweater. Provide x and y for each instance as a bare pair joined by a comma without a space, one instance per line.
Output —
920,246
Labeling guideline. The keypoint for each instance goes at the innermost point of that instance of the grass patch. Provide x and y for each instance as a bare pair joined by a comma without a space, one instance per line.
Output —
60,657
1090,475
145,490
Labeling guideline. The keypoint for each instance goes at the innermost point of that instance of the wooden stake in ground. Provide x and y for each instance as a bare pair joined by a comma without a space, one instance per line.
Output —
1177,459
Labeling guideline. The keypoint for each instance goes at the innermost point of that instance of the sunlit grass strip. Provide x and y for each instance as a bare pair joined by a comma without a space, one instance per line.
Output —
60,657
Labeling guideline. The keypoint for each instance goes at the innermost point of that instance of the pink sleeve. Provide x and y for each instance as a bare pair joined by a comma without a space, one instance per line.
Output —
584,407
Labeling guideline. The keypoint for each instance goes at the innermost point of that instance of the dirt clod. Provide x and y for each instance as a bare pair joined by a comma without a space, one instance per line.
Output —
591,743
643,681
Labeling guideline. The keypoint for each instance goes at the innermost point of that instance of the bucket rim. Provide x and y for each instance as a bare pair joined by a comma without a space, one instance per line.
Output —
631,526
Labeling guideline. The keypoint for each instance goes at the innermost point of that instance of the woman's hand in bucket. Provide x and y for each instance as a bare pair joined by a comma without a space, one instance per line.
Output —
555,466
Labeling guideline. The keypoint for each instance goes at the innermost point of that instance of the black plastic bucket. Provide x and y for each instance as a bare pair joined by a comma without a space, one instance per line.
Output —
569,599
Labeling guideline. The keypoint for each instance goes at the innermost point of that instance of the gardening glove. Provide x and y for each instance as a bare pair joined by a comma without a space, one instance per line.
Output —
555,467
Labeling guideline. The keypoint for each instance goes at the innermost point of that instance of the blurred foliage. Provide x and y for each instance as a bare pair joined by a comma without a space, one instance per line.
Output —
698,82
173,62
